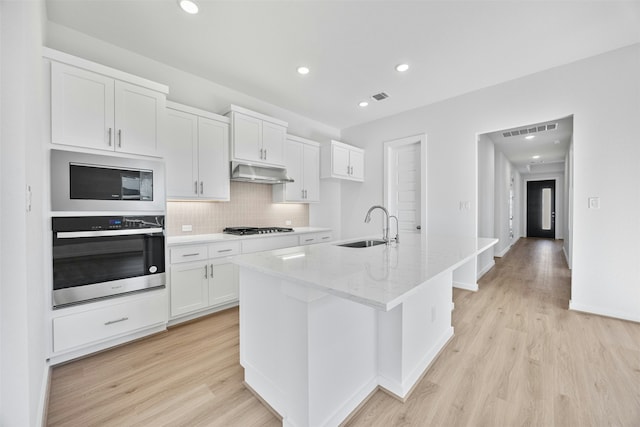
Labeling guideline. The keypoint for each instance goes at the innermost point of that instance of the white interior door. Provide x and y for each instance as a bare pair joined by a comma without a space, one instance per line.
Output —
405,182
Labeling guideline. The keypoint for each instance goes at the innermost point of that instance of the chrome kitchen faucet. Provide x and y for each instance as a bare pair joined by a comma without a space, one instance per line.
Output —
385,229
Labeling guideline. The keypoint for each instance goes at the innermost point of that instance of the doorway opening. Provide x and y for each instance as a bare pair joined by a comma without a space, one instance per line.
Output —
511,163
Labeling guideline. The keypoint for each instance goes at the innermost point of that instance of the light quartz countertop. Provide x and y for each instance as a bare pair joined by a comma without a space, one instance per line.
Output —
217,237
379,276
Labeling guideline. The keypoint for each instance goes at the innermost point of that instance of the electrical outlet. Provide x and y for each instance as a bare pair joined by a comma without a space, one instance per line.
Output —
187,228
287,222
594,202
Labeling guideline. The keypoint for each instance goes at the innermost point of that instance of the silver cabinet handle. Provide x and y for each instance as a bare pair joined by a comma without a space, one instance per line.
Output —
211,275
193,254
111,322
205,271
109,137
119,138
326,237
201,187
195,183
308,240
265,154
261,150
224,250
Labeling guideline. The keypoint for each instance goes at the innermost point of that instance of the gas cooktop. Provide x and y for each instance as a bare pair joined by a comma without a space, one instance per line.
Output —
243,231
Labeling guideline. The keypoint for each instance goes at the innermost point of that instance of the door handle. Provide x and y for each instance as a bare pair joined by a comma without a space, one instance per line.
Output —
119,138
109,137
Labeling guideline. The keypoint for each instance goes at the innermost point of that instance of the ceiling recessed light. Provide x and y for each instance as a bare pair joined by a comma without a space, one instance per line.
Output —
536,156
529,137
363,103
303,70
402,67
188,6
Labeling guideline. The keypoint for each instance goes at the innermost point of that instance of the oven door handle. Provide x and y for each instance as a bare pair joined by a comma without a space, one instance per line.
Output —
103,233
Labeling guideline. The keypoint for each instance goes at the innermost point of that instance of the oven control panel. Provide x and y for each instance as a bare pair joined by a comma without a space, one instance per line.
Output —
94,223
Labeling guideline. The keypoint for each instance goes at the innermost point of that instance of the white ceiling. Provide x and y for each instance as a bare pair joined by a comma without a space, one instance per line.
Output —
351,47
550,145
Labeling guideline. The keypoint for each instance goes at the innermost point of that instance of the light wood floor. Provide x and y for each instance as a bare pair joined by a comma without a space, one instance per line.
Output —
518,357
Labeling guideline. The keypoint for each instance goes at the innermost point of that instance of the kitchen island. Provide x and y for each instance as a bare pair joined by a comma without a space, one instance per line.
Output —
323,326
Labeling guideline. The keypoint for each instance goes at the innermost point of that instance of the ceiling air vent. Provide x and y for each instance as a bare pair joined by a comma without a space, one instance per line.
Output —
525,131
380,96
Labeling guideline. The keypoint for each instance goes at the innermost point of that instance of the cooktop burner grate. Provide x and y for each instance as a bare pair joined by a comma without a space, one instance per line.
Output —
243,231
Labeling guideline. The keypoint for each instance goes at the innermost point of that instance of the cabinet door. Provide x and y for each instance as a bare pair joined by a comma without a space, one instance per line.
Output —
82,108
180,146
273,143
340,164
294,170
247,135
356,161
311,173
213,159
189,287
223,286
137,118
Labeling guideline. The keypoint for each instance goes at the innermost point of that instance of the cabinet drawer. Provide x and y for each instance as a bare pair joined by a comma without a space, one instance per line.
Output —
83,328
312,238
188,253
223,249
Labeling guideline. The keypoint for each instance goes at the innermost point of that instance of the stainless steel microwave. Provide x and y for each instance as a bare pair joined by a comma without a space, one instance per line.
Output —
92,182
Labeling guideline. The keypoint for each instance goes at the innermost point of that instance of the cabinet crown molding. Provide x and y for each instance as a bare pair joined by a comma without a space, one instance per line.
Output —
65,58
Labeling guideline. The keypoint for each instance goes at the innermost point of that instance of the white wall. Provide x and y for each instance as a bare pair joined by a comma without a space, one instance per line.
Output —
568,203
23,367
603,94
486,197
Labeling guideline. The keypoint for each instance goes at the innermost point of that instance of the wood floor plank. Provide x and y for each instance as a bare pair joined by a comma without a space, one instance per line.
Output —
518,357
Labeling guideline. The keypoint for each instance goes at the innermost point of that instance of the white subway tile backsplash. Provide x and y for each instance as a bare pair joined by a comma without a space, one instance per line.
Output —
250,205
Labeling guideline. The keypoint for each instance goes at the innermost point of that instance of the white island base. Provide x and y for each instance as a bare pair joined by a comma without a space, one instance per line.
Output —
315,357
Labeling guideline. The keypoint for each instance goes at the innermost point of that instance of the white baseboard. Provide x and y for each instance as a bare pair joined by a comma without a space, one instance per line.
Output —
466,286
566,257
601,311
43,404
485,269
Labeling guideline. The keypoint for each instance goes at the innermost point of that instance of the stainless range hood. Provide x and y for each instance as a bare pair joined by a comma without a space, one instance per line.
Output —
259,174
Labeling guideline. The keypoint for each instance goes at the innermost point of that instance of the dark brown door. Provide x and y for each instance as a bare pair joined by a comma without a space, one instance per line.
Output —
541,209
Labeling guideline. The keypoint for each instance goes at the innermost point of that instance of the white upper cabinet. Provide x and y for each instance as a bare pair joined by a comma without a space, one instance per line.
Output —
256,138
343,161
303,166
196,150
93,110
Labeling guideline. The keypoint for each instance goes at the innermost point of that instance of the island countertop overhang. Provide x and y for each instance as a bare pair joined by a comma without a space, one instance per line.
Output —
380,276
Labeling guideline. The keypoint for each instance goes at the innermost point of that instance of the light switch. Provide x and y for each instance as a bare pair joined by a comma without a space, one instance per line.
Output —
187,228
594,202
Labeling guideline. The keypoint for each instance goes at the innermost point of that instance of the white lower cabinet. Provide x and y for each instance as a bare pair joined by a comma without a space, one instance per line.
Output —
202,277
123,316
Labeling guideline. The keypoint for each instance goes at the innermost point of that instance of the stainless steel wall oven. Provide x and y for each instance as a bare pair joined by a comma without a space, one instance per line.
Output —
103,256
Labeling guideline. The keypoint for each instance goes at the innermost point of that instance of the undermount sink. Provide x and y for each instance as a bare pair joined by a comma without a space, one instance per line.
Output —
363,243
